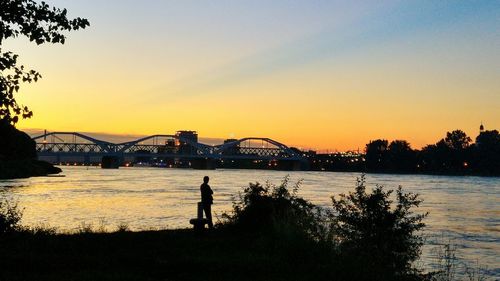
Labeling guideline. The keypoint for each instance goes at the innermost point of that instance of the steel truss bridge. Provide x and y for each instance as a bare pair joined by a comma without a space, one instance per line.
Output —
57,146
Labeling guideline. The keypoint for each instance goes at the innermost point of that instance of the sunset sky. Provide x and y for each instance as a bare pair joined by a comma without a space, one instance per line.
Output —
312,74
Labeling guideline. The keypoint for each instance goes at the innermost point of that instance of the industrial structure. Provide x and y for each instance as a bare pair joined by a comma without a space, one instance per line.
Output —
178,150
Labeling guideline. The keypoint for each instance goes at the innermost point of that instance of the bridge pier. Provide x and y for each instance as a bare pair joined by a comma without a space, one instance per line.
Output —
110,162
290,165
203,164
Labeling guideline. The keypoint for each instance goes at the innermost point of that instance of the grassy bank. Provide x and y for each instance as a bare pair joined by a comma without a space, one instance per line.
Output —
159,255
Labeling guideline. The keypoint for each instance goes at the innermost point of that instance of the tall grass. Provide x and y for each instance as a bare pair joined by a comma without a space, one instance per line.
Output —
450,268
10,216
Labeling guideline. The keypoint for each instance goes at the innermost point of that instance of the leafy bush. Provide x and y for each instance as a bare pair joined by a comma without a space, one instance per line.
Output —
10,216
274,208
379,235
369,235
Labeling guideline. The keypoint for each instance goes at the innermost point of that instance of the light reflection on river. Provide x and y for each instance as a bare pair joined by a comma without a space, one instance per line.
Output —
464,210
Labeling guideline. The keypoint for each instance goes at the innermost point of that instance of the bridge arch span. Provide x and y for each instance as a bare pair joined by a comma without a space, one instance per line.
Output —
73,145
268,149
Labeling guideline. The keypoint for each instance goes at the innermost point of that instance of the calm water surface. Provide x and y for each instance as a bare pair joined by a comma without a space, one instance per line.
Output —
463,210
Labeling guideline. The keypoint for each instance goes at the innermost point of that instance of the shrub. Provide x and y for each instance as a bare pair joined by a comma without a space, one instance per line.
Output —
378,235
10,217
274,208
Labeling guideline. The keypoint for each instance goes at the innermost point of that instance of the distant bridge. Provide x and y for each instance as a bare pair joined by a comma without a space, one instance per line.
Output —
57,147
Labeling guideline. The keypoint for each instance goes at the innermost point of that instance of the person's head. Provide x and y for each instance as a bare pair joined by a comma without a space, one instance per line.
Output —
205,179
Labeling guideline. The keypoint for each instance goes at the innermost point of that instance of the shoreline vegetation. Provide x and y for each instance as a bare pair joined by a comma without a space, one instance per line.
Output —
271,234
455,154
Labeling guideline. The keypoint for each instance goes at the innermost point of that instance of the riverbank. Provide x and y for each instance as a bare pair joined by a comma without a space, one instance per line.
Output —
25,168
160,255
18,155
181,254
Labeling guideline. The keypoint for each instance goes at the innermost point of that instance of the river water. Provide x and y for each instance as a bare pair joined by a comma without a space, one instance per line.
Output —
462,210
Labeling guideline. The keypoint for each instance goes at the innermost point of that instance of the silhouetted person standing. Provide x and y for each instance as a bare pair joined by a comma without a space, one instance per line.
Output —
207,200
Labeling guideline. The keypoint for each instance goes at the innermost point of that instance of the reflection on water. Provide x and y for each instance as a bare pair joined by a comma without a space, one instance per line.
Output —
464,210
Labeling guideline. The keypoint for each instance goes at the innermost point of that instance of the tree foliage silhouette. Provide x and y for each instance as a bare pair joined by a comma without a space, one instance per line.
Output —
455,153
275,208
376,154
40,23
457,140
401,156
381,234
487,152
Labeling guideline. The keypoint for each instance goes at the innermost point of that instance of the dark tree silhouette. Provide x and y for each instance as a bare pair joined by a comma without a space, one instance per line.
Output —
453,154
39,22
488,140
382,234
376,154
487,152
459,144
457,140
438,156
427,158
401,156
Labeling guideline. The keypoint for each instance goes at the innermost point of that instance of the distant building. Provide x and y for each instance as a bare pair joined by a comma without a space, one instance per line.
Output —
170,142
229,140
169,147
188,135
481,131
235,149
184,147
